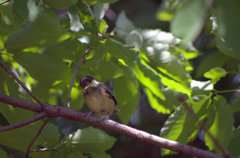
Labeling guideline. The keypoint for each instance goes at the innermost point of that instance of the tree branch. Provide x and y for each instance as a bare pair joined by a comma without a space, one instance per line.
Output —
57,111
37,117
35,138
75,74
34,97
5,2
202,125
21,84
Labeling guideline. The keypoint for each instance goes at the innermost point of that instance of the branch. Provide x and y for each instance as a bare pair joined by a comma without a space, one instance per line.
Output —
35,138
5,2
202,125
75,74
58,111
35,98
21,84
23,123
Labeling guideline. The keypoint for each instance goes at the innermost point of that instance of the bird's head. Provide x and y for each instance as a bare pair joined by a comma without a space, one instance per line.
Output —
85,81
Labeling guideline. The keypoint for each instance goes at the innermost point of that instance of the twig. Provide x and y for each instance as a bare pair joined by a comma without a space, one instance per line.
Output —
202,125
58,111
227,91
5,2
75,74
23,123
35,138
21,84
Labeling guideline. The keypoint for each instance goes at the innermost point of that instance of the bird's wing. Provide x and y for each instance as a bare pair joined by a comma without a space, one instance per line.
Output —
109,92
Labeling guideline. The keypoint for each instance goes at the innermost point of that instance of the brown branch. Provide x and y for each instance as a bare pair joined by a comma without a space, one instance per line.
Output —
5,2
21,84
75,74
35,98
37,117
35,138
58,111
202,125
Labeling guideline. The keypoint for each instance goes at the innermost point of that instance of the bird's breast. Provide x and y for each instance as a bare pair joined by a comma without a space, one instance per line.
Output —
98,101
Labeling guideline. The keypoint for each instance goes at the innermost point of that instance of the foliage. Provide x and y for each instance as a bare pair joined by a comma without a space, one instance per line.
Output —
43,41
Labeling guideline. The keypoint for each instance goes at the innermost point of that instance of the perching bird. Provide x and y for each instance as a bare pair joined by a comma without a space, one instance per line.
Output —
98,97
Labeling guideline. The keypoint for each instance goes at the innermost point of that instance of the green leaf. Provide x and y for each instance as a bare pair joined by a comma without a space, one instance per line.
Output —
180,125
3,154
190,19
155,103
91,140
228,27
48,138
222,125
168,63
44,68
134,38
211,62
234,143
44,19
120,51
100,9
215,74
173,127
102,26
126,90
91,2
164,16
123,25
102,69
60,4
28,36
59,51
181,85
21,7
75,23
148,78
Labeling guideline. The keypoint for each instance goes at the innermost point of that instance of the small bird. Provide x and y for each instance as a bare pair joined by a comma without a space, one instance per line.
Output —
98,97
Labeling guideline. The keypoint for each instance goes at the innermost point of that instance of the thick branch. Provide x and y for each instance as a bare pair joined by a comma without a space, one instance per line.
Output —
57,111
23,123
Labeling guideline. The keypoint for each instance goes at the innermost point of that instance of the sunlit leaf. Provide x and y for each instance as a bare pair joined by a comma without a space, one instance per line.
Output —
222,125
215,74
181,126
118,50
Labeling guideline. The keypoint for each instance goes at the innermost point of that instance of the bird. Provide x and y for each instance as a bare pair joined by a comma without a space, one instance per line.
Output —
98,97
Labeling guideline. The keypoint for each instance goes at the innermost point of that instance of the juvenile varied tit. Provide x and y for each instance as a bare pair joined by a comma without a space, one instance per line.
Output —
98,97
